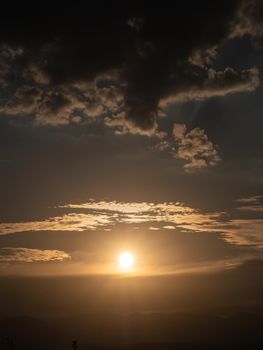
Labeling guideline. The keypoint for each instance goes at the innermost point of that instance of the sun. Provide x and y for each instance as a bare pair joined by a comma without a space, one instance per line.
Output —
126,260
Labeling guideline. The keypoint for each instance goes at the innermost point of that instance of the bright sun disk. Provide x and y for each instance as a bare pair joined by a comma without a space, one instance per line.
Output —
126,260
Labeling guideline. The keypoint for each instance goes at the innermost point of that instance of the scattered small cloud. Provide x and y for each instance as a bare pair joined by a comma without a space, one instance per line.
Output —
195,148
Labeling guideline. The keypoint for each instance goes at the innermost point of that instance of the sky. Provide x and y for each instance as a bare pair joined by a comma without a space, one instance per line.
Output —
131,126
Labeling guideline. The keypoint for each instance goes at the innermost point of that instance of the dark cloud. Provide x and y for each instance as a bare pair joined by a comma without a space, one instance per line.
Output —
7,57
249,21
161,53
24,101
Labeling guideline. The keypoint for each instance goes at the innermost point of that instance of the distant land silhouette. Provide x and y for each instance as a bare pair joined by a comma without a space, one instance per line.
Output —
138,331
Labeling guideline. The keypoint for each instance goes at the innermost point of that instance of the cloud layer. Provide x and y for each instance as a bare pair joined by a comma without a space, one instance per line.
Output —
233,228
125,70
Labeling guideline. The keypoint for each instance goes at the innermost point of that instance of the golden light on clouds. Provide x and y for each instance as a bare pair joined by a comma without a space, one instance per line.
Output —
95,215
26,255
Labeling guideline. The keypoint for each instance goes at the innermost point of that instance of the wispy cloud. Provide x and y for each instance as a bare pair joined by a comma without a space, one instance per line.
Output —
244,232
168,215
69,222
250,199
251,204
212,83
25,255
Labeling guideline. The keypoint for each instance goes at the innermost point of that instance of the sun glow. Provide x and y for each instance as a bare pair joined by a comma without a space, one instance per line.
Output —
126,260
